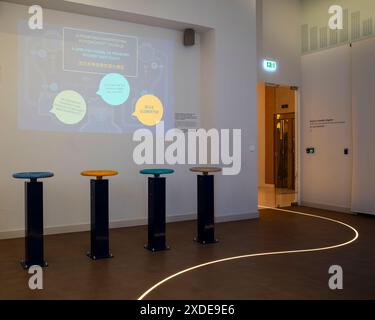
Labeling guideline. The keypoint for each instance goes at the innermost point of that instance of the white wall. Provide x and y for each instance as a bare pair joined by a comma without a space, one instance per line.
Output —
280,33
358,21
363,71
327,88
231,76
228,52
315,12
66,195
326,94
261,88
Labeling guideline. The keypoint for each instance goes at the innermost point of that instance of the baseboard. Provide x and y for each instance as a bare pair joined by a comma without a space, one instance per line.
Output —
237,217
325,207
13,234
124,224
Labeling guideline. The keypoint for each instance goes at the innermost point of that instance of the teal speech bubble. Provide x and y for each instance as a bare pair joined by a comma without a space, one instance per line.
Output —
114,89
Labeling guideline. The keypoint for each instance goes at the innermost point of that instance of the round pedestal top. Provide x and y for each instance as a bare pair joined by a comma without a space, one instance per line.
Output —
33,175
99,174
206,170
156,172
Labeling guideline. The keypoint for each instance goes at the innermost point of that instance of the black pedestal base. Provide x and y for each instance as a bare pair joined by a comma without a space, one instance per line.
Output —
99,221
206,210
165,248
92,257
204,242
34,237
156,214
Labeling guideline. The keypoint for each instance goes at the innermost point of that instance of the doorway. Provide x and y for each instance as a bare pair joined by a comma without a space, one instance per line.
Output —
278,163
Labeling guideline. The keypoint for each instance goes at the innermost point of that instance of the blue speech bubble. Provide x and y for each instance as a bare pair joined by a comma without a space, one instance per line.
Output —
114,89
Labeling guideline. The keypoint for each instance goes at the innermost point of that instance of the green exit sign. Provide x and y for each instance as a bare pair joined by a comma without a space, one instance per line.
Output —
270,65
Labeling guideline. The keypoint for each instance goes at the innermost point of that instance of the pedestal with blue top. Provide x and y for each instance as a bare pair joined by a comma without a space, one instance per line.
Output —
206,204
34,235
156,209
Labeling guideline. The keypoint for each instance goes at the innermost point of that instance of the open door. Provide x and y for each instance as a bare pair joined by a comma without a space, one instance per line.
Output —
277,145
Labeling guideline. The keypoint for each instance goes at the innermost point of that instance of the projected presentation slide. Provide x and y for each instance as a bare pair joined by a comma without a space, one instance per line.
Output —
76,80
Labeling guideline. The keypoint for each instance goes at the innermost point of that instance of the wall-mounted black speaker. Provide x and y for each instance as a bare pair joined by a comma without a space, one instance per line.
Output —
189,37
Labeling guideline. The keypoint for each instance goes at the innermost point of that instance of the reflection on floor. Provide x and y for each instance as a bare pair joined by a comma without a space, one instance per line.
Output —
268,196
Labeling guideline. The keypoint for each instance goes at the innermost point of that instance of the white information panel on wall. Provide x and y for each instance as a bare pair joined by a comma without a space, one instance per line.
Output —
186,120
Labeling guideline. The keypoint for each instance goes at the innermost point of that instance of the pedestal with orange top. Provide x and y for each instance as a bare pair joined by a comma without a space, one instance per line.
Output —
99,213
206,207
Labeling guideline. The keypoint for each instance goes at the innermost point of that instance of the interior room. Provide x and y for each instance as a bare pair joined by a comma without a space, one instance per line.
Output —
187,150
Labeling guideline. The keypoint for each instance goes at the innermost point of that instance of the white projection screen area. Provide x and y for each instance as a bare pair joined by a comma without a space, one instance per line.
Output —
78,80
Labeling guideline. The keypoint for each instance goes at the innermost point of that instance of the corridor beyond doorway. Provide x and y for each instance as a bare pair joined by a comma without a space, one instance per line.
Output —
277,107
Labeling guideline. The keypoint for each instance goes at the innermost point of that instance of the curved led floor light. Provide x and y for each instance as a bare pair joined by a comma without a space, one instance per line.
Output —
145,294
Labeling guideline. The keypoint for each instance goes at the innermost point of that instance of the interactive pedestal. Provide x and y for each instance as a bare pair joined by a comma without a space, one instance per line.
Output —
156,209
206,207
34,237
99,214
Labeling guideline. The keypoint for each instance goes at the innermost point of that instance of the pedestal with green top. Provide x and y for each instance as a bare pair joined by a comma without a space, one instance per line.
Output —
156,209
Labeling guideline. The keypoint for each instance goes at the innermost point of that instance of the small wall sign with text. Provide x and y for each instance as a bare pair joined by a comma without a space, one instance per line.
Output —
185,121
323,123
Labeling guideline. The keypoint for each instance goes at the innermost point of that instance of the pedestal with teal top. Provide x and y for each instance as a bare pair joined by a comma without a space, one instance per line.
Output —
156,209
34,235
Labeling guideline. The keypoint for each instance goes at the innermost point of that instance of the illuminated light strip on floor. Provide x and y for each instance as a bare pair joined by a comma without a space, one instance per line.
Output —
145,294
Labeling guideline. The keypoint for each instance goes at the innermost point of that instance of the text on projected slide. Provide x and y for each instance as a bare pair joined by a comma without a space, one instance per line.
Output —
75,80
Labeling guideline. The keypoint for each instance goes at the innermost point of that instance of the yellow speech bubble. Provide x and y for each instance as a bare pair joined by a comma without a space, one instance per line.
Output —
69,107
149,110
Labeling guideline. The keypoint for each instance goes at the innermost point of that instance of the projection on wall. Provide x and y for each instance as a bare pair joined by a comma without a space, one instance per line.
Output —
75,80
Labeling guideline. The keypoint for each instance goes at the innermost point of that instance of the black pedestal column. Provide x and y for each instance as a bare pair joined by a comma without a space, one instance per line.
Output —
206,209
34,242
156,214
99,220
34,235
